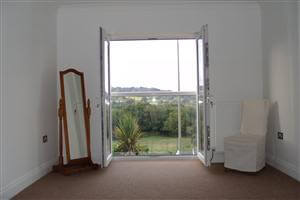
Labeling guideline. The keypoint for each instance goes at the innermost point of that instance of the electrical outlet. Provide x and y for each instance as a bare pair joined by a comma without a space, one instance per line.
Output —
45,138
280,135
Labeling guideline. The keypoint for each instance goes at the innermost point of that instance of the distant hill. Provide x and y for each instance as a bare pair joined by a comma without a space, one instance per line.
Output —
134,89
171,99
140,89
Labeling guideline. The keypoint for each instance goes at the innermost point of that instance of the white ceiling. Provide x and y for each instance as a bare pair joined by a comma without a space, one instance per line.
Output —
135,2
62,2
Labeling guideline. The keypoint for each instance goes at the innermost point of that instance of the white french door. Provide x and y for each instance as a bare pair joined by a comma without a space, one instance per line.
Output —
105,96
202,97
203,101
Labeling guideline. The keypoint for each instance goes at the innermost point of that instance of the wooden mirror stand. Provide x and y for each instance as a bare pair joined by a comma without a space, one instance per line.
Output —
78,110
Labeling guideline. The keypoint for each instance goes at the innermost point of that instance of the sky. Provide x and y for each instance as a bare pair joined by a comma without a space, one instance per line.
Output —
154,63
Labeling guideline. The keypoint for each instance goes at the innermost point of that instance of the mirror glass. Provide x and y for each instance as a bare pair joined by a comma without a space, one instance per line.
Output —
75,115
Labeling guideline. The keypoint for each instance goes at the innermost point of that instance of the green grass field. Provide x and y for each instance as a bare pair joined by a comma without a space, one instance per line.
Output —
165,145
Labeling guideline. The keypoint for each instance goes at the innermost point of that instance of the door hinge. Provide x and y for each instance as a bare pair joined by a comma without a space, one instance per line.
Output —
206,55
207,83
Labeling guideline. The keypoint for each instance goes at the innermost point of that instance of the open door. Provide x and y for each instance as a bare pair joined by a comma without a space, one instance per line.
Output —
105,96
203,101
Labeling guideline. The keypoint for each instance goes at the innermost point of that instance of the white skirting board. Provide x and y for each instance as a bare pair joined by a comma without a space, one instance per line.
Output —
279,164
19,184
284,166
218,157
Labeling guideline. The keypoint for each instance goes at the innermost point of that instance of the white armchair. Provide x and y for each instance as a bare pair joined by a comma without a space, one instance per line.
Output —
246,151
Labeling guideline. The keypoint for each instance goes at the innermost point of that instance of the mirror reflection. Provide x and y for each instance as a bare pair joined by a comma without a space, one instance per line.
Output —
75,115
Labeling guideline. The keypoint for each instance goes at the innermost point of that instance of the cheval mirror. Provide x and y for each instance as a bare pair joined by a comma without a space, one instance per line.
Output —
74,125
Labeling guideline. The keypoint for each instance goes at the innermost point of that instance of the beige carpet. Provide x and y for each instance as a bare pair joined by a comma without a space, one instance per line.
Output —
185,179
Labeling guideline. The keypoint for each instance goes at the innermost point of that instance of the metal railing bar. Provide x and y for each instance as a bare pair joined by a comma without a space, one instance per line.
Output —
154,93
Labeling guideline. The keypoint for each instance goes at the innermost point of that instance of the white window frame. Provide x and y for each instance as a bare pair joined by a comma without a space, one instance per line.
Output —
164,93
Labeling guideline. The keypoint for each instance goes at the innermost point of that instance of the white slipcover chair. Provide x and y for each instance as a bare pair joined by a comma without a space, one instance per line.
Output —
246,151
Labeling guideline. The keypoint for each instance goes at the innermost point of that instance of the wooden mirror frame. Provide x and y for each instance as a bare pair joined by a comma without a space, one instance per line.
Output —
78,164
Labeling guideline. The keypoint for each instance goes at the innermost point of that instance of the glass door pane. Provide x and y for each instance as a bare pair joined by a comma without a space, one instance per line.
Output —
105,93
188,125
144,65
156,117
200,96
203,107
188,65
108,98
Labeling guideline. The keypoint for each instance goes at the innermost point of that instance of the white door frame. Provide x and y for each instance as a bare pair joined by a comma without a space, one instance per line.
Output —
203,96
105,97
200,95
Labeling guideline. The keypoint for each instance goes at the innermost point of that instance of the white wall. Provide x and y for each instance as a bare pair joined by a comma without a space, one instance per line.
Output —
29,94
281,82
235,29
297,92
235,50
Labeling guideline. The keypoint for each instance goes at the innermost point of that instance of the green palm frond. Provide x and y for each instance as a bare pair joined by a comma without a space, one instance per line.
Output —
128,133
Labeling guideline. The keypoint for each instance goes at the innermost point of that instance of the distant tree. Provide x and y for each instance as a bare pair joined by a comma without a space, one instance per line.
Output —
161,117
171,124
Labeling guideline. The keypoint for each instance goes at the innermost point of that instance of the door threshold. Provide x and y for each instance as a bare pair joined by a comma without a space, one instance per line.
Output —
155,157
